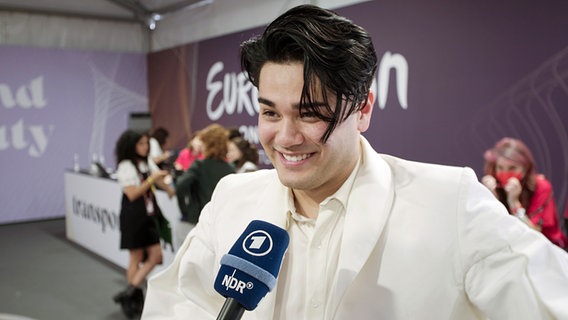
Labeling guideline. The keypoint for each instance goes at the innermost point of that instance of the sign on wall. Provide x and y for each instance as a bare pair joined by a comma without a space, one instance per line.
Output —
58,107
453,78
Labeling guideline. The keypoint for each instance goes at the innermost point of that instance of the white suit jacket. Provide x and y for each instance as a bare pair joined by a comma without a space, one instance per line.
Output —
420,241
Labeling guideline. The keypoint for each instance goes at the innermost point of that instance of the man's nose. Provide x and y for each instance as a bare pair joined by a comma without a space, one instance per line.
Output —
289,133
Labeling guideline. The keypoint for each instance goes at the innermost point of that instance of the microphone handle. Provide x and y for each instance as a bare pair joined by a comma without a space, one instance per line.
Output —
232,310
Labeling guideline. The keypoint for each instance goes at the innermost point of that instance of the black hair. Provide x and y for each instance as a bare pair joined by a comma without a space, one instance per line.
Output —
161,135
234,132
249,151
125,148
334,51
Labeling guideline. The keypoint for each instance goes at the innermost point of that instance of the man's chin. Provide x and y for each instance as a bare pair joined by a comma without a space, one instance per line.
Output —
297,183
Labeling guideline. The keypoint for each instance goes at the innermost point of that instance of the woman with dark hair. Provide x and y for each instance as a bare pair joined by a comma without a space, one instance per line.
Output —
243,155
510,173
140,216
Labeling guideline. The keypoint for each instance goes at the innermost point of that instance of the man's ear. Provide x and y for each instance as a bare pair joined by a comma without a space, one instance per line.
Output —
365,113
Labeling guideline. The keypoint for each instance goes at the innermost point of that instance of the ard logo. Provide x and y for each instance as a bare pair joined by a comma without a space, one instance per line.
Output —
258,243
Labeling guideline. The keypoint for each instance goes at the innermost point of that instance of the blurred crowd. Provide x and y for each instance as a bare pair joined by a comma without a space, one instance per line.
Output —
144,163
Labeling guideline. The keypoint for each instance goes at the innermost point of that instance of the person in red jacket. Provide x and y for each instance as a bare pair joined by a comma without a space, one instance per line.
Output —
510,173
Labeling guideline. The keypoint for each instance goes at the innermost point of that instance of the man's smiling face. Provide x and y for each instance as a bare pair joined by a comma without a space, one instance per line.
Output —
292,140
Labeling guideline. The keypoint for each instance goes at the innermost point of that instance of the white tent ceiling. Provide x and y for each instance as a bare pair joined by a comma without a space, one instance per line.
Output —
128,25
114,10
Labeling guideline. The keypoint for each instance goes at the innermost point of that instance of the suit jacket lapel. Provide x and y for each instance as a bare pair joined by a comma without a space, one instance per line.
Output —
368,209
273,209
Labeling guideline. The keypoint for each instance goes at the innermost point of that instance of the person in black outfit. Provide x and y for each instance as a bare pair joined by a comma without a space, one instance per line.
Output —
141,221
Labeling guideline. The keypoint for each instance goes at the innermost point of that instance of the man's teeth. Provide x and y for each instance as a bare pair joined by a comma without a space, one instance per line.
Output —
296,157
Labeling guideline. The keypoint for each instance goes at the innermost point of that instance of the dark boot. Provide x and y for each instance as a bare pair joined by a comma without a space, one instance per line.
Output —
121,295
138,301
131,300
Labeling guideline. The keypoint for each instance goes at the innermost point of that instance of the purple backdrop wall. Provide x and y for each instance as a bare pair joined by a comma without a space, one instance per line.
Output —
454,78
55,104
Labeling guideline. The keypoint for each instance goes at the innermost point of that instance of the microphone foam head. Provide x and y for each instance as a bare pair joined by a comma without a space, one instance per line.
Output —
250,268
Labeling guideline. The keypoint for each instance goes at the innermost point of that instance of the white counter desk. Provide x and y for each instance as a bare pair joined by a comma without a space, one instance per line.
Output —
92,209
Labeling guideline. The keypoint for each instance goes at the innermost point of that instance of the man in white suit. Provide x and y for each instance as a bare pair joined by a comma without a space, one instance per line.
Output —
371,236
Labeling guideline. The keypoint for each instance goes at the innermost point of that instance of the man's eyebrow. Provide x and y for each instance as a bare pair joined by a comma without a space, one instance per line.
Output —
267,102
271,104
316,104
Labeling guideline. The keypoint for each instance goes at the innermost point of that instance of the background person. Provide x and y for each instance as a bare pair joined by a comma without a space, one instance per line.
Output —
566,218
243,155
195,186
140,216
372,236
158,146
192,152
510,174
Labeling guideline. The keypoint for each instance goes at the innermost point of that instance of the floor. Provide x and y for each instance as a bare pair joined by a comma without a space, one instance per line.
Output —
44,276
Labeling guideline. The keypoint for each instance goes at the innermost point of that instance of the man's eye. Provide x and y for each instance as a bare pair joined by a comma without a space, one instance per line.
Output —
268,113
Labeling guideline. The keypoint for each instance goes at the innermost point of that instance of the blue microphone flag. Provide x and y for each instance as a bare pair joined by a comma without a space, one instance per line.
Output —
251,267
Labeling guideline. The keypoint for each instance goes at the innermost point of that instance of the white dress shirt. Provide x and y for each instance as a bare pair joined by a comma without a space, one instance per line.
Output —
312,256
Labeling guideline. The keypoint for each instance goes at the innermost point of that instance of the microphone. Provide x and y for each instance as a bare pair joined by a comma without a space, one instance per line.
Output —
250,268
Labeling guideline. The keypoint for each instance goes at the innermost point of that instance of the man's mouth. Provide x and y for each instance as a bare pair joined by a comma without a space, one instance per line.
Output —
296,158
